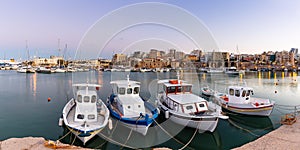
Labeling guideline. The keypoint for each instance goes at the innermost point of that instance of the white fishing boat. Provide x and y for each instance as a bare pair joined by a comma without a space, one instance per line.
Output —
231,71
206,91
60,70
239,100
43,70
26,69
85,115
185,108
215,70
126,105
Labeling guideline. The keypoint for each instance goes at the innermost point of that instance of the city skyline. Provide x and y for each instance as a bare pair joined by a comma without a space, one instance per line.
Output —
254,26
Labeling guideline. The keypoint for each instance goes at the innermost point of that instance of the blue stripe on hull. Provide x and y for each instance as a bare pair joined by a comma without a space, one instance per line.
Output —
142,121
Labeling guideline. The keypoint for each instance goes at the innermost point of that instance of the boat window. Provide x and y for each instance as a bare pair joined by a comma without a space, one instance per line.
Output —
139,106
121,91
231,91
171,89
244,93
237,93
94,99
248,92
86,99
175,106
179,88
91,117
252,92
79,98
80,116
128,107
189,107
136,90
201,105
129,91
187,89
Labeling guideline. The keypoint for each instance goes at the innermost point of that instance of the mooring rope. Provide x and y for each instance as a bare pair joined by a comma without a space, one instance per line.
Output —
190,138
231,122
116,142
101,145
169,133
73,140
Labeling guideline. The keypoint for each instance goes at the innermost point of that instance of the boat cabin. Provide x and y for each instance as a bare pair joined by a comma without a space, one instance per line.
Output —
239,94
86,108
179,97
177,87
128,101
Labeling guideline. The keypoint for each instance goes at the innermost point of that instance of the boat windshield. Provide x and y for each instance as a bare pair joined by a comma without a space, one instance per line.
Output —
121,91
129,90
94,99
79,98
86,99
178,89
136,90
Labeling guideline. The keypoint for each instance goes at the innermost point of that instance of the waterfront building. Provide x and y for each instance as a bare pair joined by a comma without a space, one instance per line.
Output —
52,61
120,59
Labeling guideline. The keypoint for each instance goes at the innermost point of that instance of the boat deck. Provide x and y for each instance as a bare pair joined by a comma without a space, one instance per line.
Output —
115,108
90,125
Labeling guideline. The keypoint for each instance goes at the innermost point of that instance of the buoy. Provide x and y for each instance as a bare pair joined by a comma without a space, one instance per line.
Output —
167,114
49,99
110,125
256,104
60,122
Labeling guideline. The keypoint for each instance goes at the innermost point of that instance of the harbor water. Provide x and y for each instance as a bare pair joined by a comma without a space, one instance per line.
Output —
31,105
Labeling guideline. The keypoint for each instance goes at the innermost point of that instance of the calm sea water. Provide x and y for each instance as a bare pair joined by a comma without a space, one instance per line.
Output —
25,110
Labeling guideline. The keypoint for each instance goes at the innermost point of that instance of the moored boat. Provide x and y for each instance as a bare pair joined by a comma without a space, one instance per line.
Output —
26,69
185,108
206,91
239,100
126,105
85,115
231,71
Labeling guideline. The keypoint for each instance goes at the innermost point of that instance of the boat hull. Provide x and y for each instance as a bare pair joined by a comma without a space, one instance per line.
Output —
255,111
202,123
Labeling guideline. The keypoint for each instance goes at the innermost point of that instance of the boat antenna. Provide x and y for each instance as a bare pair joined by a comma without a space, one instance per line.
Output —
128,79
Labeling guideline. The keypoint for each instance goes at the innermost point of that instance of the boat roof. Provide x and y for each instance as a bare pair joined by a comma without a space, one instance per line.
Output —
130,99
167,83
86,85
125,83
185,98
86,92
241,87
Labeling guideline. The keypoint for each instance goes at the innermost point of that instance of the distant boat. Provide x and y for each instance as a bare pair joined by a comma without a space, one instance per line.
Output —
206,91
126,105
85,115
215,70
43,70
26,69
185,108
231,71
60,70
239,100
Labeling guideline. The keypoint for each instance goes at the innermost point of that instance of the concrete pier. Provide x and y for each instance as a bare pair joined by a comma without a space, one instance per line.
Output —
285,137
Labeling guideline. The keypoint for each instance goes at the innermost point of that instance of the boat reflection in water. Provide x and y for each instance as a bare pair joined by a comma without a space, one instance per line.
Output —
255,125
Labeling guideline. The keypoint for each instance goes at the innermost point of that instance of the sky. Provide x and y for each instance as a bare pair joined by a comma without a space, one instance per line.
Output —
73,28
